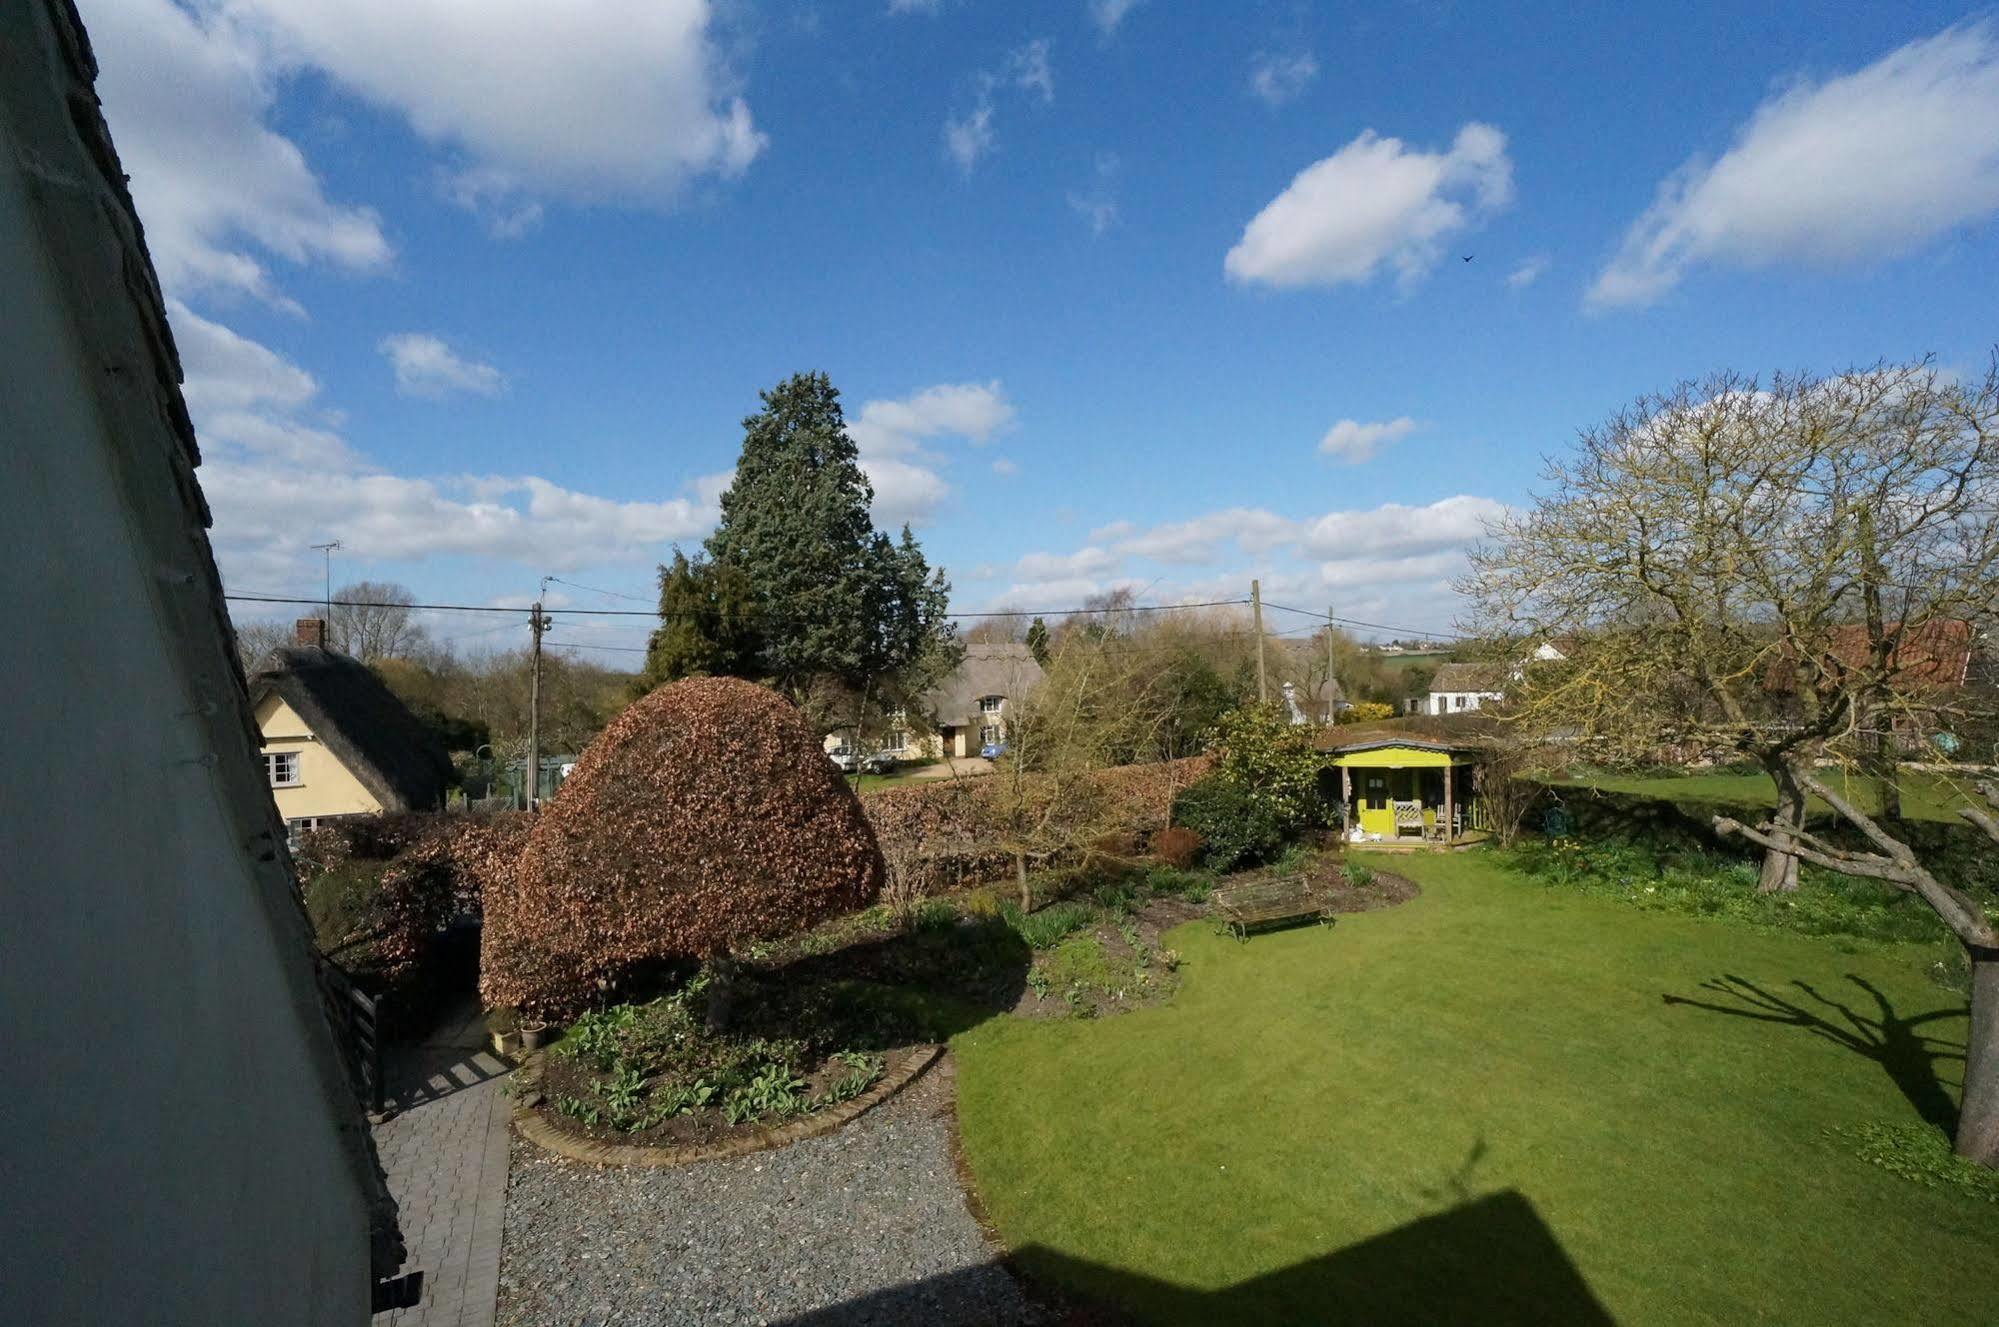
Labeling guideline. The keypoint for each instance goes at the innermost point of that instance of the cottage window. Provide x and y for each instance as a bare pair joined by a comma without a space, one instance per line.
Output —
1457,702
282,767
898,742
991,704
989,734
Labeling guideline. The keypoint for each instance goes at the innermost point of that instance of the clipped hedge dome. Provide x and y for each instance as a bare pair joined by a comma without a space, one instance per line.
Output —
705,816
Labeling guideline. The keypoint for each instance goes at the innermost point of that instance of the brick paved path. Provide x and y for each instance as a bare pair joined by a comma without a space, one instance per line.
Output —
445,1150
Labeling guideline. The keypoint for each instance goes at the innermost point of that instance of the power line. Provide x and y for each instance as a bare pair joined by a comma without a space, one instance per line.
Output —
1355,622
655,613
615,594
579,645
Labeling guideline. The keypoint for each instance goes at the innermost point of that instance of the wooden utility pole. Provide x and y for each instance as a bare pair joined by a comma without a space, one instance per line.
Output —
1256,624
1332,671
537,624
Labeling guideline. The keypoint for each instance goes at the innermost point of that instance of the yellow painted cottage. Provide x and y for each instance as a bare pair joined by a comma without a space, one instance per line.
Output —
336,741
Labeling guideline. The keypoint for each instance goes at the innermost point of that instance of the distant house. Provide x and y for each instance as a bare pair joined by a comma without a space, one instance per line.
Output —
336,741
1459,687
966,711
970,708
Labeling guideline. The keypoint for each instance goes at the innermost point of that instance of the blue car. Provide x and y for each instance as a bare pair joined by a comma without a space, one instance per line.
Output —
993,750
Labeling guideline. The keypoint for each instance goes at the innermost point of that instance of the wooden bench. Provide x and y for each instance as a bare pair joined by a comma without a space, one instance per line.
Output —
1257,902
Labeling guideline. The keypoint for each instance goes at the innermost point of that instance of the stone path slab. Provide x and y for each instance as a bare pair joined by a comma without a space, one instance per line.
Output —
445,1151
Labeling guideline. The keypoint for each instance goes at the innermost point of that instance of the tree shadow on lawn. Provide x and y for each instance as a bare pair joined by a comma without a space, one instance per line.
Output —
1907,1055
1491,1261
926,984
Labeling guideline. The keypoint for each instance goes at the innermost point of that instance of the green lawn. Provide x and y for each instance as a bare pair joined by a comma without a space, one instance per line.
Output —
1484,1106
1924,796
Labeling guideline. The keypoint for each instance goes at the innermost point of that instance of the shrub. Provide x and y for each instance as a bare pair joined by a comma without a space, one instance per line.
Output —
1272,762
942,827
1236,828
1366,711
705,817
1359,874
1048,926
1177,846
1190,885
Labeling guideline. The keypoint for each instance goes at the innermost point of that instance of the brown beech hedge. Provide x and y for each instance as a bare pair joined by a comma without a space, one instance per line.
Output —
706,816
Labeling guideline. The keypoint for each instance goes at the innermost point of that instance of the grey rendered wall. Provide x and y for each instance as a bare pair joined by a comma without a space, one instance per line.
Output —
173,1147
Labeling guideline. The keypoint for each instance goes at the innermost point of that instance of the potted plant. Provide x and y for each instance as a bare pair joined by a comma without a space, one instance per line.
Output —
505,1029
533,1032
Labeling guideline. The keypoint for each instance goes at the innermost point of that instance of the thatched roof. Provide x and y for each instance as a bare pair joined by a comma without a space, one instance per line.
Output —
1470,677
1457,732
1007,670
361,722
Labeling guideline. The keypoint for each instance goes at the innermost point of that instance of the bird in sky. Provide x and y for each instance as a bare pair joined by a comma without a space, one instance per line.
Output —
1468,257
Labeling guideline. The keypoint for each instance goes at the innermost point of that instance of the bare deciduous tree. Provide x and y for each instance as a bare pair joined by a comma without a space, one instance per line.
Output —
1782,571
372,620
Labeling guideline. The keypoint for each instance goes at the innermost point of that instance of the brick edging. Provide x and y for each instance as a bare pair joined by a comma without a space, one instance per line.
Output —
531,1125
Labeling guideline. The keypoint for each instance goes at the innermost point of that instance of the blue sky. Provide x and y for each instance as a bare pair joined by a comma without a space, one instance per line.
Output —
1167,295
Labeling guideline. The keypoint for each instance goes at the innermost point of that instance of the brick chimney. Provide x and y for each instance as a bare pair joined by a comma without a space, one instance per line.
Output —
311,631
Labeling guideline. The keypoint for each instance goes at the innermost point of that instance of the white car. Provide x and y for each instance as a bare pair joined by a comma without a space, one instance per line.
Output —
847,761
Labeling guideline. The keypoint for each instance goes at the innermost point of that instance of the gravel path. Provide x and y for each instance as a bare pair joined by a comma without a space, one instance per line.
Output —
865,1225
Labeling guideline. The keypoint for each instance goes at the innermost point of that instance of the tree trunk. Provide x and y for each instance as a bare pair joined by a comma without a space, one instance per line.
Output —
1780,869
1882,765
1978,1111
1020,876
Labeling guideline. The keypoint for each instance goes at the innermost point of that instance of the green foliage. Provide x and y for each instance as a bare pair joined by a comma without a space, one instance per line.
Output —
1037,641
1359,874
1272,761
933,915
1920,1153
1675,877
1367,711
708,623
1194,886
1237,828
1082,963
1046,927
1227,1114
834,599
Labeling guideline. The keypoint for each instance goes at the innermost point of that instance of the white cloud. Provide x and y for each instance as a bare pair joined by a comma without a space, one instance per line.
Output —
1098,204
188,96
589,99
1354,442
277,474
1107,14
1392,564
1005,467
426,366
1866,165
970,137
1084,562
914,6
890,435
1393,530
1031,71
495,198
1374,201
1276,77
1528,272
1201,538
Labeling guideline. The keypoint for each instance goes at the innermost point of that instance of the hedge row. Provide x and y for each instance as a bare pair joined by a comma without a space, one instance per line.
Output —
935,828
380,888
